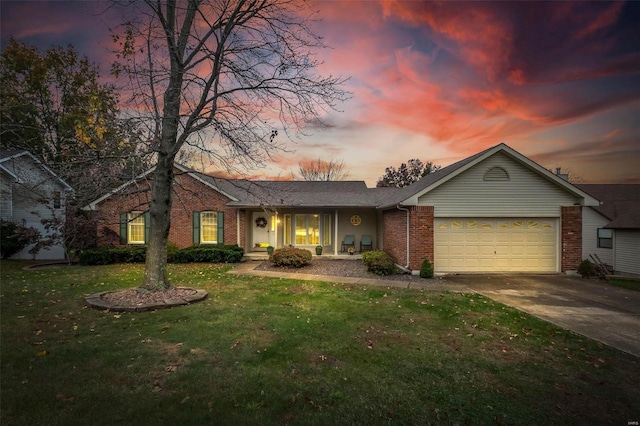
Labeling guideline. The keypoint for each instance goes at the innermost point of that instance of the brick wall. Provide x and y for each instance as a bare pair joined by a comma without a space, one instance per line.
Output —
420,235
394,235
189,195
571,237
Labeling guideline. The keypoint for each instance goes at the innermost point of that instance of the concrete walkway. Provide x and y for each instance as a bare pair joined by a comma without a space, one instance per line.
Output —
607,314
248,268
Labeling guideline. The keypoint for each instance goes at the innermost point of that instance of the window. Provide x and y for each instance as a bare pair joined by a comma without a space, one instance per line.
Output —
135,228
326,231
208,227
307,229
57,199
605,238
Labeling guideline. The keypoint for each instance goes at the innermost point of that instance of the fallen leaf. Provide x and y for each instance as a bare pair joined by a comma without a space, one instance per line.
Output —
43,353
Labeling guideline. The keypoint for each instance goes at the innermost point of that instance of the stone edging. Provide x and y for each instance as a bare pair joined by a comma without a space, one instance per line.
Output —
96,301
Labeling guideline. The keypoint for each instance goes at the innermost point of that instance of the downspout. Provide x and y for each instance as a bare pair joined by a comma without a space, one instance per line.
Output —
406,210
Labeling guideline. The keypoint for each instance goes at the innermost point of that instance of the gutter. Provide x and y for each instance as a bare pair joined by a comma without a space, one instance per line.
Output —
406,210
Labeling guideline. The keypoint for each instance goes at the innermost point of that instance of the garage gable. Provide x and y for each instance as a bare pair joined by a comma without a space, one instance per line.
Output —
499,186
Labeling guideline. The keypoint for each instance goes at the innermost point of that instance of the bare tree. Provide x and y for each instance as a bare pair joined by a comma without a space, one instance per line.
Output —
322,170
225,77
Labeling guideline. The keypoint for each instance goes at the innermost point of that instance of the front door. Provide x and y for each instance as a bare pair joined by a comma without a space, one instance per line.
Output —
263,231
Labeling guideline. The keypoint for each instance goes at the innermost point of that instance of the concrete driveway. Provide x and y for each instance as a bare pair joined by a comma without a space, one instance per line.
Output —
608,314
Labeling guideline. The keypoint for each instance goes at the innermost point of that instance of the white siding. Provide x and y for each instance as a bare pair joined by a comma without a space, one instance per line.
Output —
627,251
5,197
525,194
591,221
28,208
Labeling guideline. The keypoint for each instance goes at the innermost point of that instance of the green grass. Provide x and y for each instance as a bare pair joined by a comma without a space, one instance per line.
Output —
624,283
277,351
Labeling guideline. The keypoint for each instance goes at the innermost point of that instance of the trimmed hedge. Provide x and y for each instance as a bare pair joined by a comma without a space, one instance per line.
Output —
379,262
109,255
209,254
291,256
212,254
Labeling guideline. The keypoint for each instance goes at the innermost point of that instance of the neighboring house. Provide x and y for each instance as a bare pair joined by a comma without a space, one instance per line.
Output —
30,192
612,229
492,212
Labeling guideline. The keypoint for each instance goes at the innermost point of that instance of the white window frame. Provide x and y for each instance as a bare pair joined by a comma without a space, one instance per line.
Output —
212,218
309,234
135,219
605,238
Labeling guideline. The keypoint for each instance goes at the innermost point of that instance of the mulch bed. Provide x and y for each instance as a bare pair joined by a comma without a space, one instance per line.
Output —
340,268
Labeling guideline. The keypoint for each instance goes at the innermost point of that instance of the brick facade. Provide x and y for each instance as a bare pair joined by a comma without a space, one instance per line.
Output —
189,195
420,235
394,235
571,237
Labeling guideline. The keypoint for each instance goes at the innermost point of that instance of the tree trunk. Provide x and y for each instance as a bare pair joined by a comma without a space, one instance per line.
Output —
155,274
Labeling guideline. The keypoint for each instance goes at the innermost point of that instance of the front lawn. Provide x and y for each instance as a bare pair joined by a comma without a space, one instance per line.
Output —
276,351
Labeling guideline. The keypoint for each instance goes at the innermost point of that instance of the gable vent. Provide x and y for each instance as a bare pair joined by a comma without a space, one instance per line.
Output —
496,173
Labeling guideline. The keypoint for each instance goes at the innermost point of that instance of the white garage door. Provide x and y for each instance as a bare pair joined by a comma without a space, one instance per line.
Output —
495,245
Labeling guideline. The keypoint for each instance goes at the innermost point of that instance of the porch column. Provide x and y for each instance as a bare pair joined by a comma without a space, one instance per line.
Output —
335,234
275,229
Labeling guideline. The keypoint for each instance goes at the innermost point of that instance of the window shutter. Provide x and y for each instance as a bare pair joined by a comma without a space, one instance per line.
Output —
196,228
147,224
220,228
123,228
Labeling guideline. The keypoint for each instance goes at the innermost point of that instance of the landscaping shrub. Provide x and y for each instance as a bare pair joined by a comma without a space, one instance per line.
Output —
97,256
14,237
426,269
109,255
291,256
209,254
378,262
587,269
172,249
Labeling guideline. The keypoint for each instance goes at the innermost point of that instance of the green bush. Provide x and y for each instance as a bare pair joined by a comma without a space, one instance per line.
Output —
587,269
379,262
209,254
426,269
291,256
172,249
14,237
212,254
97,256
109,255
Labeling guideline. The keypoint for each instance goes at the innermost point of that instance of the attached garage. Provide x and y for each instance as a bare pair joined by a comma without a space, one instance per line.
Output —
496,244
496,211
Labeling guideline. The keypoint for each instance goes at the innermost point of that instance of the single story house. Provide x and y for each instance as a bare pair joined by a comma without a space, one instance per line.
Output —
612,230
496,211
30,192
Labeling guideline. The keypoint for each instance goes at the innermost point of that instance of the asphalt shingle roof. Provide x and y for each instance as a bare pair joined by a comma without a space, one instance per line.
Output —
620,203
294,193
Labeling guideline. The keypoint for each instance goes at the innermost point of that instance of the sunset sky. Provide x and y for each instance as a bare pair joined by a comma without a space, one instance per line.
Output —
557,81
